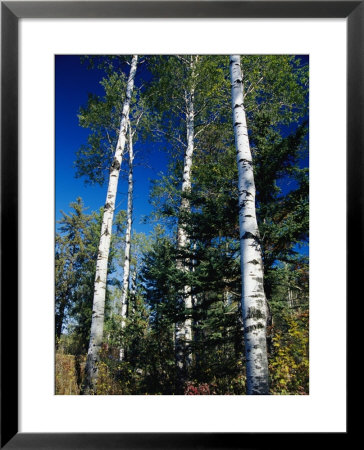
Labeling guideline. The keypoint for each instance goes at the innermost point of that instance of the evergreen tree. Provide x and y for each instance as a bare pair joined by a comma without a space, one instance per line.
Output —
213,215
191,82
185,279
70,258
77,241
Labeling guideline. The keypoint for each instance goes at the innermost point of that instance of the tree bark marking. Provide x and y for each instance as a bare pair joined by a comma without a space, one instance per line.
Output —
253,296
97,323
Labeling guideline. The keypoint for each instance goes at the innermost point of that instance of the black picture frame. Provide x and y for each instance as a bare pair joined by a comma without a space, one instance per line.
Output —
11,12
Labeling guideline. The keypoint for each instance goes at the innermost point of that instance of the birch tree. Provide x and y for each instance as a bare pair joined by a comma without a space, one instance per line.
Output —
97,324
129,220
253,296
199,255
275,93
184,330
190,87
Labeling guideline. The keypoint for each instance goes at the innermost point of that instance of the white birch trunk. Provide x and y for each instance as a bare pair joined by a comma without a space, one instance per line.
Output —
98,308
129,217
253,296
183,330
133,282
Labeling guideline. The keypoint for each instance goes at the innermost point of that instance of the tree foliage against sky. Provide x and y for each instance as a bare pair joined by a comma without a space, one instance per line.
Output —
275,90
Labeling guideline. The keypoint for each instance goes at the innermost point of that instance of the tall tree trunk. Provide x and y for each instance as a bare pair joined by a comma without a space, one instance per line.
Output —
98,308
183,330
253,296
129,219
133,281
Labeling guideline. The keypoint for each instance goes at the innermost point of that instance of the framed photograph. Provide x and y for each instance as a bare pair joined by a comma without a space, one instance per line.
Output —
47,48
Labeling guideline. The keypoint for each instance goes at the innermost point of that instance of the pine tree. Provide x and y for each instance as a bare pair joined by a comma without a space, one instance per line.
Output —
70,258
198,285
191,82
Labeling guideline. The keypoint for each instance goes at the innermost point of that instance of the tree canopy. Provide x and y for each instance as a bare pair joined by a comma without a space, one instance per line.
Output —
207,268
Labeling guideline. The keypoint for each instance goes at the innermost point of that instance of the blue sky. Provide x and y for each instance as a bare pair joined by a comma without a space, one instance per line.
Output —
73,83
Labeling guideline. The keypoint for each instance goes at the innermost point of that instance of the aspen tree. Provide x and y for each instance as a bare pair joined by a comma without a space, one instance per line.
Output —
253,297
183,332
129,219
98,309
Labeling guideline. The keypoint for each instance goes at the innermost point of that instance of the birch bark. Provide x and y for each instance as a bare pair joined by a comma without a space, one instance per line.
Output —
98,309
129,216
183,331
253,297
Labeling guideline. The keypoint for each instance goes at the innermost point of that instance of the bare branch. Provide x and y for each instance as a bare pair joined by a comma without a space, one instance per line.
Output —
181,58
252,87
173,137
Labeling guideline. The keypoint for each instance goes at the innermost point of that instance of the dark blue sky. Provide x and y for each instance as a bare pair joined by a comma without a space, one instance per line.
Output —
73,83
